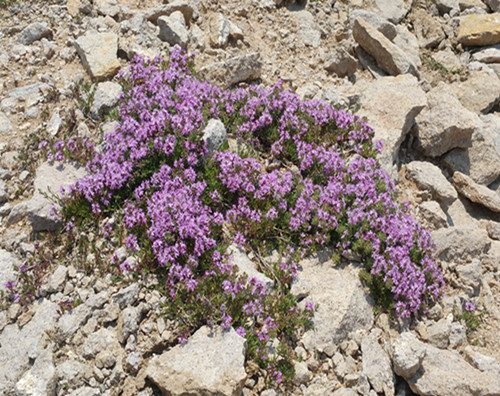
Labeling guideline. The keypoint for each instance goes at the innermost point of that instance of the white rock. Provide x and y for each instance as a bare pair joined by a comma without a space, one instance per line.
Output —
173,29
433,214
476,192
7,271
446,6
54,124
5,124
377,364
98,52
214,135
393,10
34,32
429,177
308,29
40,379
240,259
107,7
106,97
212,362
385,27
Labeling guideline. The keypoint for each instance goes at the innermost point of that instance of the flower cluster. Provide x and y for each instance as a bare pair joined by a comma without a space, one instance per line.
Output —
322,187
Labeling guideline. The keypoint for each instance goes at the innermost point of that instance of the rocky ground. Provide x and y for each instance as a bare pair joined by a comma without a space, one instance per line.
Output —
424,73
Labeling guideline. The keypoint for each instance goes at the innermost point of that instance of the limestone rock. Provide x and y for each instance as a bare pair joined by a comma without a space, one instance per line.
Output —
393,10
49,179
481,161
385,27
407,40
445,6
343,306
234,70
341,62
407,355
212,362
173,29
15,355
390,105
494,5
460,243
56,280
389,57
34,32
488,55
377,364
441,372
493,229
5,124
106,97
98,52
439,333
40,379
107,7
7,271
308,29
75,7
214,135
222,29
246,266
448,59
476,192
470,274
433,214
127,296
445,124
187,9
429,177
479,93
476,29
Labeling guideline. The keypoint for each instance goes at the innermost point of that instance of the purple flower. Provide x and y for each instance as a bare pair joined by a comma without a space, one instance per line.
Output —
469,307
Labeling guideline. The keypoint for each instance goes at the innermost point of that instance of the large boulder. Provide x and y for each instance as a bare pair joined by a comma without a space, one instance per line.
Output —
211,363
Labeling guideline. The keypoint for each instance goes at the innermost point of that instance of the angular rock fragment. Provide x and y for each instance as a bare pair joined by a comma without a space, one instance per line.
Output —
40,379
173,29
389,57
212,362
341,62
214,135
107,7
385,27
234,70
222,29
433,214
488,55
393,10
475,192
246,266
479,29
308,29
5,124
98,52
460,243
445,124
377,364
34,32
106,97
429,177
479,93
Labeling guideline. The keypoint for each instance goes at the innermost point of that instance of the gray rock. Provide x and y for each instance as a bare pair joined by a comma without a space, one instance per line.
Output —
445,124
34,32
7,263
481,161
48,180
446,6
31,94
101,340
389,57
439,333
5,124
214,135
471,273
393,10
341,62
343,307
385,27
448,59
4,192
458,335
56,281
107,7
407,40
17,213
390,105
476,192
308,31
494,5
222,29
407,355
493,229
128,323
433,214
173,29
127,296
482,362
72,371
488,55
15,355
302,373
377,364
460,243
54,124
40,379
212,362
442,372
73,320
98,52
234,70
106,97
197,37
183,6
479,93
86,391
246,266
429,177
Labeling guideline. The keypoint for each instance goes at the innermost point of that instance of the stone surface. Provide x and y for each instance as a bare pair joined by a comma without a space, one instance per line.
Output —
5,124
222,29
127,296
460,243
344,306
240,259
234,70
107,7
478,29
341,62
106,97
390,105
445,6
407,40
429,177
488,55
481,161
98,52
212,362
308,29
479,93
173,29
7,271
56,280
14,355
433,214
40,379
34,32
49,179
476,192
393,10
214,135
439,333
441,372
389,57
377,364
445,124
427,29
385,27
494,5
